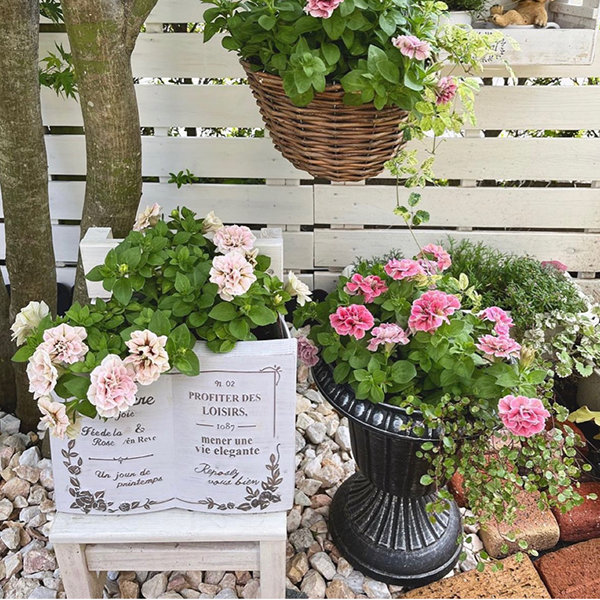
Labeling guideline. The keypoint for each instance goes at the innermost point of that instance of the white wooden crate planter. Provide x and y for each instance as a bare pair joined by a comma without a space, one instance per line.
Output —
574,43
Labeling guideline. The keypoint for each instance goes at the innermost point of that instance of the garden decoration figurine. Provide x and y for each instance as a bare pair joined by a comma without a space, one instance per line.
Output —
527,12
432,384
334,79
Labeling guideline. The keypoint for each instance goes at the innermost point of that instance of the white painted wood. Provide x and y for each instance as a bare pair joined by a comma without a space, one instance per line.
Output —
550,208
65,238
338,248
238,556
272,561
177,11
169,526
77,579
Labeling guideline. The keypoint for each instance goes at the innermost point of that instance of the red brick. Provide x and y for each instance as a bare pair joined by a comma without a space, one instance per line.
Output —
457,489
572,572
582,522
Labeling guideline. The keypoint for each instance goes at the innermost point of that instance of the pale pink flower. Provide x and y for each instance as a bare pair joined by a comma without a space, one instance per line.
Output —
500,346
412,46
388,334
431,310
54,417
556,264
502,321
233,274
42,373
442,258
308,353
522,416
370,287
149,217
234,237
352,320
403,269
112,387
211,223
64,343
445,90
147,356
321,8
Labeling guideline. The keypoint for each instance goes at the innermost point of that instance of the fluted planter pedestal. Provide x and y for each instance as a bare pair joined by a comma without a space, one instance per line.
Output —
377,518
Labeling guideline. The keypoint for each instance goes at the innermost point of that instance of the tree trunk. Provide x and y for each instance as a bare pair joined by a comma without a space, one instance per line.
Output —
24,174
102,34
7,377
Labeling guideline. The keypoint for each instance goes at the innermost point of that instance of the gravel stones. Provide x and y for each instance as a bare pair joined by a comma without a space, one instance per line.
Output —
155,586
313,585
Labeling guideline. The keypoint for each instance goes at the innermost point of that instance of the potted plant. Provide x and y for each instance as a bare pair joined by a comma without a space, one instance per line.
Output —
189,296
463,12
432,384
334,79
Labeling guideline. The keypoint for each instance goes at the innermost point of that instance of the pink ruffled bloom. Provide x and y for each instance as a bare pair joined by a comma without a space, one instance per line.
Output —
321,8
147,356
522,416
442,258
502,321
412,46
112,389
352,320
556,264
388,334
234,237
54,417
500,346
308,353
42,373
369,287
64,343
403,269
233,274
432,310
149,217
445,90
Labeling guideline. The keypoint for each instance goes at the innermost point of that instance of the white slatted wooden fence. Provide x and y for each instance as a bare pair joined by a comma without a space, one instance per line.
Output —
326,226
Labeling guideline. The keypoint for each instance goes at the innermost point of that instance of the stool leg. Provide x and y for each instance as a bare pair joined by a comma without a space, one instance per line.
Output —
272,569
77,579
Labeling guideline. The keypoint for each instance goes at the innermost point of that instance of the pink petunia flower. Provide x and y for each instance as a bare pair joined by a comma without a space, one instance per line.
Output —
412,46
234,237
321,8
388,334
307,351
64,343
370,286
233,274
54,417
500,346
442,258
445,90
42,374
112,387
147,356
432,310
502,321
149,217
352,320
522,416
556,264
403,269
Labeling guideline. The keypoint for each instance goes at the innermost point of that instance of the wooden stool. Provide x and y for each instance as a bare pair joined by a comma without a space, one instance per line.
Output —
173,540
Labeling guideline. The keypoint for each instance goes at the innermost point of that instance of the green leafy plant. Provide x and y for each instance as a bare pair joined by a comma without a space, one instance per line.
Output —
58,73
168,292
475,6
183,178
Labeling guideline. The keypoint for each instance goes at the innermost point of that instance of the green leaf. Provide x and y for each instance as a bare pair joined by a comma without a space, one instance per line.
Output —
224,311
341,372
331,53
95,274
267,22
86,408
77,386
23,354
182,283
388,71
187,363
426,480
261,315
403,371
159,323
239,328
334,26
122,291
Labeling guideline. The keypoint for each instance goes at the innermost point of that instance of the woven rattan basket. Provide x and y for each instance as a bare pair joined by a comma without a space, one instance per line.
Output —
327,138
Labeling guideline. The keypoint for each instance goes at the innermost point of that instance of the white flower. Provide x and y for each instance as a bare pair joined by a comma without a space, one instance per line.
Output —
149,217
27,321
54,417
211,223
42,373
295,287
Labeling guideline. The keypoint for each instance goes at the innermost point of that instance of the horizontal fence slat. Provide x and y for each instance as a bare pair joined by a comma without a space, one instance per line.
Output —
185,55
338,248
497,107
564,159
536,208
177,11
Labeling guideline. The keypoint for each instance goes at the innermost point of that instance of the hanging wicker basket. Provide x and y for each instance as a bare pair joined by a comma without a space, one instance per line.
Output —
327,138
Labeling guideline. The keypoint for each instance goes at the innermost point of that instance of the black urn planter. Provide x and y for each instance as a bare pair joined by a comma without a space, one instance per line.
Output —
377,517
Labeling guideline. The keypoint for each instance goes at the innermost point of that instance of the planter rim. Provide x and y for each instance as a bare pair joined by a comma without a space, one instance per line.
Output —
369,411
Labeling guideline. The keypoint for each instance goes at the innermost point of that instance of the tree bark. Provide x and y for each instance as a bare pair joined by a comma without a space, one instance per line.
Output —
7,377
24,174
102,35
